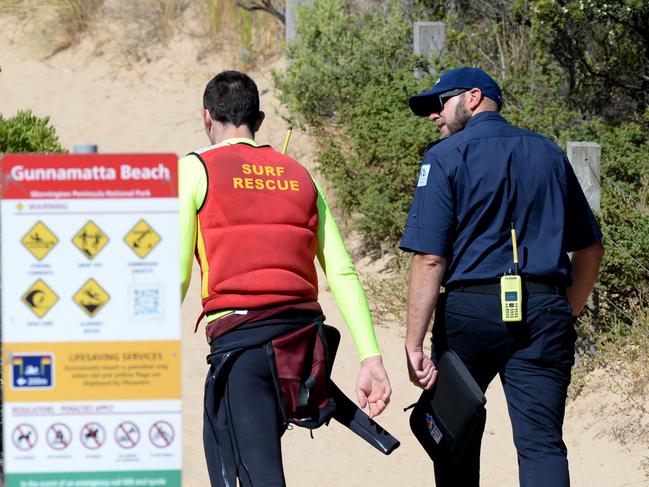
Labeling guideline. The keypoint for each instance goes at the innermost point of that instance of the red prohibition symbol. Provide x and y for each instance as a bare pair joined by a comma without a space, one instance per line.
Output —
24,437
161,434
127,435
93,436
58,436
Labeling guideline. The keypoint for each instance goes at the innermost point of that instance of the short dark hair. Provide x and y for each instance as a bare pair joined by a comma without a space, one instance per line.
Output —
232,97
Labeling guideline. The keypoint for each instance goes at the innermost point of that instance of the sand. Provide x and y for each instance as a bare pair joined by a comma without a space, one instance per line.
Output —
153,107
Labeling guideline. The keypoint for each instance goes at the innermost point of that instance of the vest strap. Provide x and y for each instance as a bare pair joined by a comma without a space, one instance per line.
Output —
198,321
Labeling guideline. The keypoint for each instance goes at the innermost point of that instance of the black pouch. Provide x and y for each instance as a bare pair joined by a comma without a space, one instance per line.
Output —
301,364
446,419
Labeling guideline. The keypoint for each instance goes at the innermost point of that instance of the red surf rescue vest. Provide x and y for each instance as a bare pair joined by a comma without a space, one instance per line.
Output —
257,230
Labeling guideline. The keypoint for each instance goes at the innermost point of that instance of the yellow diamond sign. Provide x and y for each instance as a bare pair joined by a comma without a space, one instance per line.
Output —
90,239
142,238
39,240
39,298
91,297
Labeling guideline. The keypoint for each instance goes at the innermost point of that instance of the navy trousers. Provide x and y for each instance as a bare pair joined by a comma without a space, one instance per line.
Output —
534,360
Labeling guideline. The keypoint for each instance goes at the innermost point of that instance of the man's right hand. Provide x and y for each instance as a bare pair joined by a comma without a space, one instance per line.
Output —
426,274
421,369
373,386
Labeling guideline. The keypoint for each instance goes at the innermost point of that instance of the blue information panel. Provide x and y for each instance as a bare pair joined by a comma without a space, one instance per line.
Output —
32,371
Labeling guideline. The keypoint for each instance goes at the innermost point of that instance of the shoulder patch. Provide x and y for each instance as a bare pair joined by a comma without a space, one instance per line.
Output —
423,175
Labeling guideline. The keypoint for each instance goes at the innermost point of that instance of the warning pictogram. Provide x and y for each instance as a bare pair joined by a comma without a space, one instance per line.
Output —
24,437
39,298
127,435
59,436
93,435
161,434
142,238
39,240
91,297
90,240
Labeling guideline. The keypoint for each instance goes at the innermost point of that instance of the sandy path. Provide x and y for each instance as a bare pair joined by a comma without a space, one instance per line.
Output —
154,107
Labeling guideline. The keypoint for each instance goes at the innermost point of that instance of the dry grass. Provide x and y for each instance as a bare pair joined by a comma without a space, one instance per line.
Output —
142,28
139,30
258,34
56,24
621,351
387,292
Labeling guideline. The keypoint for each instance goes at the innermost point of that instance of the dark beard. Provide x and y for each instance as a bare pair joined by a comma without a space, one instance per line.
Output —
462,116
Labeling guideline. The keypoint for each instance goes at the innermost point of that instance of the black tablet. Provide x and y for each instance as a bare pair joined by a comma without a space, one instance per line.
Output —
445,419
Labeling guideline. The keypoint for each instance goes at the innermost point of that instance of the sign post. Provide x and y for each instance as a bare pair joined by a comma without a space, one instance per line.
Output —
90,320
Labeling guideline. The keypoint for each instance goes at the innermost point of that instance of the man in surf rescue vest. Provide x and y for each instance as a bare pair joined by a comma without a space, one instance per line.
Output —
256,221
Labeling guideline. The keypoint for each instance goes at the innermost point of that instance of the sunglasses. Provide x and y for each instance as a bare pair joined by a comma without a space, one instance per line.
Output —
447,95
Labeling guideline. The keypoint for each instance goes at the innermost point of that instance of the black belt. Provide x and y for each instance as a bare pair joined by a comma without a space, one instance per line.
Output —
494,288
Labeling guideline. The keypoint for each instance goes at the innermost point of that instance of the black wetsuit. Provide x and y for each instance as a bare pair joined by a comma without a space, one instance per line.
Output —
242,423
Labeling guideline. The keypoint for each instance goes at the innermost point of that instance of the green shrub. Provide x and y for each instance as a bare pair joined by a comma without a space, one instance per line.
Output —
348,83
625,212
25,132
351,73
349,80
602,47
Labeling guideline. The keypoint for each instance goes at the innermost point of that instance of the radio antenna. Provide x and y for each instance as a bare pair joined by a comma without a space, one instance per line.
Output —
515,249
288,137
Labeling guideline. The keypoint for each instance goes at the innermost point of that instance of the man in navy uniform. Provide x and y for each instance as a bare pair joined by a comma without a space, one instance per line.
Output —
480,180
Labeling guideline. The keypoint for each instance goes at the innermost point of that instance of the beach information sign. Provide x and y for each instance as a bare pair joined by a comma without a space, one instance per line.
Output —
90,320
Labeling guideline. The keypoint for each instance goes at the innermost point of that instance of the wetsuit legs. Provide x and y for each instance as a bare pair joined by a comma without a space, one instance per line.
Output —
242,428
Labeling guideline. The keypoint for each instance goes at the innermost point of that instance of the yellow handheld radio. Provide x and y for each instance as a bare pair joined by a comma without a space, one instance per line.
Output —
511,289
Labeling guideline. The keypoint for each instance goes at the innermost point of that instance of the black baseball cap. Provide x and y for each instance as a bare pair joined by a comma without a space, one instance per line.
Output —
466,78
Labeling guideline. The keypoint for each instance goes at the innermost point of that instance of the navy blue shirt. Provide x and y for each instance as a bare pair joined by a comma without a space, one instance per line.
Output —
474,184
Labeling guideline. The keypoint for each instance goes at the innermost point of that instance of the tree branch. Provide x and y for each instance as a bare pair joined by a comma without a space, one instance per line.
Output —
270,6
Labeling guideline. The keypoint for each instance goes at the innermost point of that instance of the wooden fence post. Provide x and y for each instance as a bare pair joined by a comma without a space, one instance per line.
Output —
429,40
585,159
